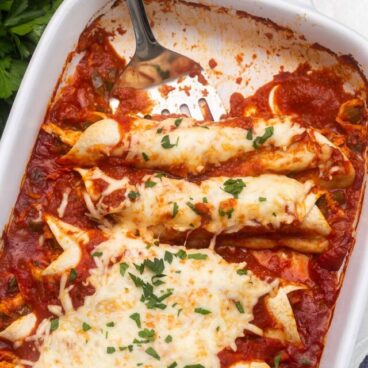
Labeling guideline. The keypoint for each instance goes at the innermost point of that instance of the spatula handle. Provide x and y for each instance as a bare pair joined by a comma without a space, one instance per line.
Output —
147,46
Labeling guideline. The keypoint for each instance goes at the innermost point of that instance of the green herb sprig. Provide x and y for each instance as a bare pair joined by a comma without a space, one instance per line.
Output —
22,23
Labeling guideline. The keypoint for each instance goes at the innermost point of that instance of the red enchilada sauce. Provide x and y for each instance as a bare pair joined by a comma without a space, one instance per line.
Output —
315,96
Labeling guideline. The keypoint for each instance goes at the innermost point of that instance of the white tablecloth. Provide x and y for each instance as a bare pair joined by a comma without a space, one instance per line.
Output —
354,14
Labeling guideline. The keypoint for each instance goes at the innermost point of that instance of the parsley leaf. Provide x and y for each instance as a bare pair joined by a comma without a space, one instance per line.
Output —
123,267
202,311
192,207
147,335
149,184
136,318
227,213
54,325
177,122
168,257
21,25
250,134
86,326
152,352
234,187
72,275
165,142
157,266
110,350
133,195
175,210
198,256
277,360
168,339
261,140
239,307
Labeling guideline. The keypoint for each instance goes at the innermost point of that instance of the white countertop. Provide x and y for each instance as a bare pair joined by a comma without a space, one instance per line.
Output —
354,14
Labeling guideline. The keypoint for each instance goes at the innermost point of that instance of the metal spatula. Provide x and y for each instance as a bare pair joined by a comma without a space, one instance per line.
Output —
175,83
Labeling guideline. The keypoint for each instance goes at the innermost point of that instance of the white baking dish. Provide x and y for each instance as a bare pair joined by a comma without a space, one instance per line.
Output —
221,40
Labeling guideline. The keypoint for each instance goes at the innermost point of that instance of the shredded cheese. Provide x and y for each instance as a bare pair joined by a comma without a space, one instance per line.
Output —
264,201
184,306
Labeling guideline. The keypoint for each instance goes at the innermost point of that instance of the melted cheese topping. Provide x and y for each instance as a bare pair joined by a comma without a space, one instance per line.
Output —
204,305
200,145
264,201
197,145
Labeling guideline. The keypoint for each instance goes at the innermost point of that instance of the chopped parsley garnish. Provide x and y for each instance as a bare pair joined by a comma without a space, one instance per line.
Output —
205,200
156,280
136,318
152,352
165,142
123,267
239,307
182,254
97,254
54,325
151,300
262,139
175,210
110,324
139,268
133,195
168,257
72,275
149,184
129,347
86,326
168,339
147,335
227,213
172,365
276,361
194,366
192,207
262,199
250,134
234,186
110,350
202,311
159,130
177,122
157,266
242,272
159,175
137,281
198,256
145,156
